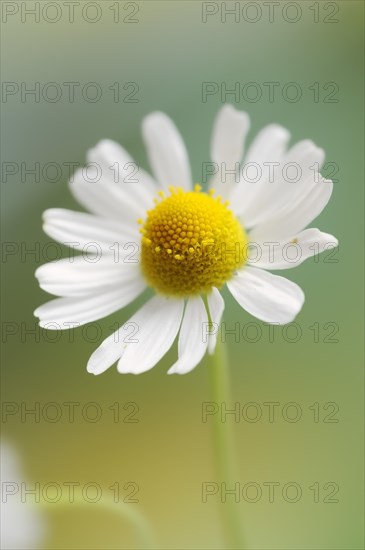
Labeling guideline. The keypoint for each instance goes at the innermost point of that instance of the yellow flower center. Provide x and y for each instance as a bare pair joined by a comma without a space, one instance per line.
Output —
191,242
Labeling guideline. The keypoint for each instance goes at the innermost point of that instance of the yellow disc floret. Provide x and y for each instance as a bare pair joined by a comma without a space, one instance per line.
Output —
191,242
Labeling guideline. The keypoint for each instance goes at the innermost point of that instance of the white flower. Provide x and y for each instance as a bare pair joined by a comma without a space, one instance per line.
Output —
21,525
187,243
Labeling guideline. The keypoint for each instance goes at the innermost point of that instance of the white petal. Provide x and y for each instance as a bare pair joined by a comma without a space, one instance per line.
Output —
268,147
104,199
296,174
266,296
269,144
166,151
113,347
78,230
159,322
229,132
192,344
112,185
79,276
117,166
106,154
66,313
292,252
216,307
297,216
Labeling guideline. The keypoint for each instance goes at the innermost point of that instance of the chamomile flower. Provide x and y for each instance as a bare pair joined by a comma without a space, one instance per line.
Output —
168,234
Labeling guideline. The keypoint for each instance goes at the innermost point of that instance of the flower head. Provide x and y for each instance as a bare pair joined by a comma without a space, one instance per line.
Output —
186,243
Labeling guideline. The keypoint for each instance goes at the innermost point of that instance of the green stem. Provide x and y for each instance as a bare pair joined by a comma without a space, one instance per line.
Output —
224,447
125,511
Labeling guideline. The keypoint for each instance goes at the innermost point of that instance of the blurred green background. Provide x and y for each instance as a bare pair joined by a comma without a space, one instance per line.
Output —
169,52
